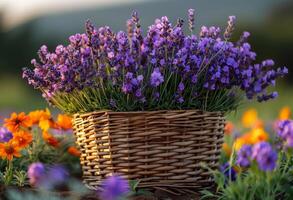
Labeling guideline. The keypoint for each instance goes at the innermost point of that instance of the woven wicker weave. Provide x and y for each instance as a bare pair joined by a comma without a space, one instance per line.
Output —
162,149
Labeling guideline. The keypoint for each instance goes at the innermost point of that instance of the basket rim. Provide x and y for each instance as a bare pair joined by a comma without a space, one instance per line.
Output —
144,112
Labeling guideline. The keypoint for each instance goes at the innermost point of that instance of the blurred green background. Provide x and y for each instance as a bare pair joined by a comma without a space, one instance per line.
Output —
26,25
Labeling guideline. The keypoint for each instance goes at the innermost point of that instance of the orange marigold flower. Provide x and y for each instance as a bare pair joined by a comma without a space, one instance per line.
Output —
258,135
50,139
9,150
38,115
227,149
73,151
16,121
249,118
229,128
22,138
285,113
64,122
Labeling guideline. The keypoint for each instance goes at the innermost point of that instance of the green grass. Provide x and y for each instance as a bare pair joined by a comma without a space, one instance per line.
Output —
16,95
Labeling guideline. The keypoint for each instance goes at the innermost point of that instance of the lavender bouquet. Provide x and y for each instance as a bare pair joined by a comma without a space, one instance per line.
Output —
163,69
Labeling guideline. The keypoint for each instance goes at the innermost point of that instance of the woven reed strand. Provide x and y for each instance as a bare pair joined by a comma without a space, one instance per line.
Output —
162,149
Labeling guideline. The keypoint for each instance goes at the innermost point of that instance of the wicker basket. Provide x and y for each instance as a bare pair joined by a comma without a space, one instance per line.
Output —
162,149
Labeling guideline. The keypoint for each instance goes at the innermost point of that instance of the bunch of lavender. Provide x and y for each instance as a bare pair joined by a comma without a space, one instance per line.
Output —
164,69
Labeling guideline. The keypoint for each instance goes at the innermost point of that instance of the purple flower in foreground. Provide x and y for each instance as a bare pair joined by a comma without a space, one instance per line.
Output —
5,135
156,78
244,156
114,188
265,156
285,131
36,173
57,175
228,171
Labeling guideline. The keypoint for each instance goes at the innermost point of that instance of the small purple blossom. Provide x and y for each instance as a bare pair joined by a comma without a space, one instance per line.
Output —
36,174
156,78
244,156
114,188
228,171
181,87
285,132
57,175
5,135
265,156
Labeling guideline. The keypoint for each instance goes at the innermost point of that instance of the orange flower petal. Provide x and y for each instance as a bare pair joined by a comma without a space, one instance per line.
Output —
73,151
249,118
285,113
64,122
229,128
16,121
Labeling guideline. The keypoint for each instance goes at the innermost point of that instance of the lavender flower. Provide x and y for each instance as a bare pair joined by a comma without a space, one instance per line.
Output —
156,78
5,135
36,174
100,65
265,156
191,19
244,156
114,188
230,28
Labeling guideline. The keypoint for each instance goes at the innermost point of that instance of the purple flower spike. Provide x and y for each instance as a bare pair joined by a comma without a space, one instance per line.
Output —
230,28
191,19
36,174
244,156
114,188
5,135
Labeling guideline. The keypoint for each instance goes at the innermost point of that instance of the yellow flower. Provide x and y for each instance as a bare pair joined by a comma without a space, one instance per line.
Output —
258,135
249,118
244,139
45,124
285,113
